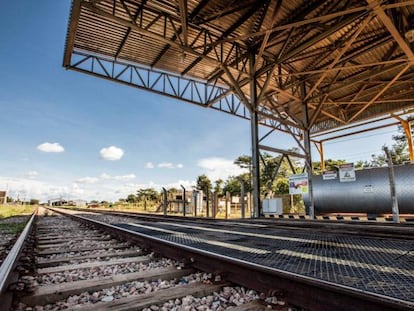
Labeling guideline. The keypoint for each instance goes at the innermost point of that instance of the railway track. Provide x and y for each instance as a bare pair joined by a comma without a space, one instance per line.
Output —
83,267
78,268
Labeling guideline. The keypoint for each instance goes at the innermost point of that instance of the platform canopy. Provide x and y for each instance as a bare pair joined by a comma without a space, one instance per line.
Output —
303,67
349,61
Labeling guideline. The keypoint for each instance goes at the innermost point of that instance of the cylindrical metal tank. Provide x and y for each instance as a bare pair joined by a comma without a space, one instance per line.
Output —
370,193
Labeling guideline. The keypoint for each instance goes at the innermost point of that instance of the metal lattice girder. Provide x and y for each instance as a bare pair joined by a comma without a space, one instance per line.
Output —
176,86
204,94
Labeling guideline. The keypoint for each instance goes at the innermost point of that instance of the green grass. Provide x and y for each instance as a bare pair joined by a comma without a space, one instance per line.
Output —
13,228
7,211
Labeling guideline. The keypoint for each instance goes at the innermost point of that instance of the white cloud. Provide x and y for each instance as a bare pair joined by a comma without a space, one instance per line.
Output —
149,165
216,168
111,153
51,147
125,177
76,190
166,165
188,184
87,180
26,189
105,176
31,174
169,165
120,177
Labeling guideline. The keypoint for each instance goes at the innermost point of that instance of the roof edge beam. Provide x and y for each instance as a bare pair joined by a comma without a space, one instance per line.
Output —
73,25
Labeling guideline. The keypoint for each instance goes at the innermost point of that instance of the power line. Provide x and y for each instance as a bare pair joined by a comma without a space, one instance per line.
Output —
355,155
350,139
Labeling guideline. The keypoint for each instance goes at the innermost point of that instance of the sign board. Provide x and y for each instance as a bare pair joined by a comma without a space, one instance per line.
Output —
368,188
347,172
329,175
298,183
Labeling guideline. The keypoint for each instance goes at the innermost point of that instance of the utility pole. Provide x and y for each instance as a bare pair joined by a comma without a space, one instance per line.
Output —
395,209
183,200
164,203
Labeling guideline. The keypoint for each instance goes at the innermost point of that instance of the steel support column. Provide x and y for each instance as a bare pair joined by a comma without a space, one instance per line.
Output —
307,145
255,165
255,139
406,125
319,147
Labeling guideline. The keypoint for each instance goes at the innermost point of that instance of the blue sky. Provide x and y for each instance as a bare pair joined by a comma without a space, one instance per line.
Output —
157,141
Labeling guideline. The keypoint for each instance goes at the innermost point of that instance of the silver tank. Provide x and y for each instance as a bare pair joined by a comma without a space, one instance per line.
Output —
370,193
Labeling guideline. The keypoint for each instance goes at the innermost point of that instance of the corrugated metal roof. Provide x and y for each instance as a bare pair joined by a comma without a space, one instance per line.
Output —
350,55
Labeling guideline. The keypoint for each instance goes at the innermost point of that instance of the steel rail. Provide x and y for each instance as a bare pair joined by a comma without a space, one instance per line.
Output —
304,291
378,229
9,263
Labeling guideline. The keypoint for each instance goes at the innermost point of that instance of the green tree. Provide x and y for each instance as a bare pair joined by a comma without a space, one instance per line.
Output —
132,198
282,186
243,161
203,183
330,165
268,171
232,185
398,150
148,194
34,202
378,160
362,164
218,187
275,171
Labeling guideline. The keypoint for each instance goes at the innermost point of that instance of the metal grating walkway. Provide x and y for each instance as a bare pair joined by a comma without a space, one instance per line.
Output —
376,265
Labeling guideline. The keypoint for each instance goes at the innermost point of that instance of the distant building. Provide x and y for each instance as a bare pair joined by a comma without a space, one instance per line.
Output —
3,197
58,203
62,202
80,203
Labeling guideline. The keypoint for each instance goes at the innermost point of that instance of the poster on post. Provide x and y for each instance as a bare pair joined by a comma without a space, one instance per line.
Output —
298,183
347,172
